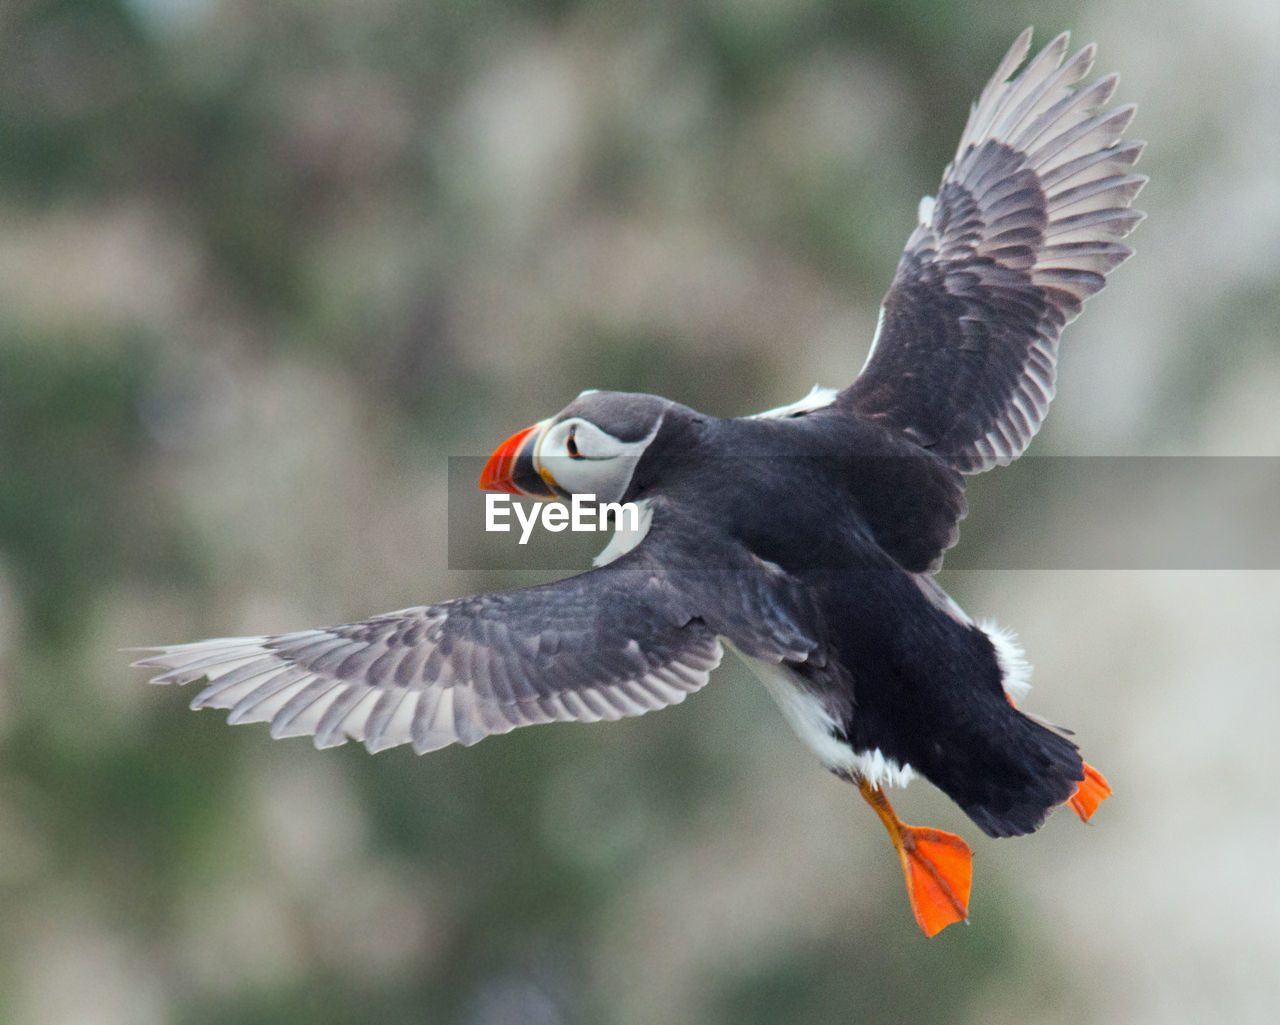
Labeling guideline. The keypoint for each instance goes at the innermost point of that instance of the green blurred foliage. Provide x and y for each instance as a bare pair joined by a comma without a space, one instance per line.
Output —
69,439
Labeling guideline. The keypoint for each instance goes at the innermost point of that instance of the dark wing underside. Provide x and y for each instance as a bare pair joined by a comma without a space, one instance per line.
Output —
617,641
1024,228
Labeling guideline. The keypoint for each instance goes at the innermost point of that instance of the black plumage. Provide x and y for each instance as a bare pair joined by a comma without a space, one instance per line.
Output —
806,536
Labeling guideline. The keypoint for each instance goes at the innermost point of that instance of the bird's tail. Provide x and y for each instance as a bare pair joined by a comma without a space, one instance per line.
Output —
1007,770
1017,771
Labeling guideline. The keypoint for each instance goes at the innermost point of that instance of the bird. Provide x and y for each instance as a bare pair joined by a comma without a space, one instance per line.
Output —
807,538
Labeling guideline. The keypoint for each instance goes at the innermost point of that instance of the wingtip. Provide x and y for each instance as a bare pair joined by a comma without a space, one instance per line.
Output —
1123,115
147,662
1014,56
1057,46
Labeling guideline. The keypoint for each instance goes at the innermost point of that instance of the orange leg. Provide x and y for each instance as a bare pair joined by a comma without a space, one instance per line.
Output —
937,866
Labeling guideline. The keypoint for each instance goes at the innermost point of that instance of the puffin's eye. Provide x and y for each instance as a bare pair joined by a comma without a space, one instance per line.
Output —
572,444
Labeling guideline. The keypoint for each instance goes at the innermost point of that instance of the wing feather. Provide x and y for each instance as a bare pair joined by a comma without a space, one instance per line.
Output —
598,646
1025,227
621,640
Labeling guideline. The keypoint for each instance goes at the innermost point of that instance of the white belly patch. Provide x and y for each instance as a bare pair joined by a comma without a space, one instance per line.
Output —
815,726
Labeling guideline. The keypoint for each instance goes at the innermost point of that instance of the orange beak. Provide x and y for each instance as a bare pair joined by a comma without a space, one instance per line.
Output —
511,467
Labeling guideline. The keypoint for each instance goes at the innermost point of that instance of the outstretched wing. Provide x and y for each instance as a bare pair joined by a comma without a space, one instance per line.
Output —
1024,228
620,640
601,645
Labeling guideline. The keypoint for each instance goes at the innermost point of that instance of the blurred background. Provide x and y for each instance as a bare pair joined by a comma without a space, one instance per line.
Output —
264,267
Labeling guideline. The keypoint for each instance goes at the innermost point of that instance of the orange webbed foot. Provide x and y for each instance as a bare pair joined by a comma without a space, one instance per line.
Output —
937,866
1092,791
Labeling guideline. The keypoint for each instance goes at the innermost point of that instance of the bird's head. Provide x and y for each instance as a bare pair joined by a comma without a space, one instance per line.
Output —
591,447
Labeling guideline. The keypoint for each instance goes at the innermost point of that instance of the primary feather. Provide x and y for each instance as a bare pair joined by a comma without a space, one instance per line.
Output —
1025,227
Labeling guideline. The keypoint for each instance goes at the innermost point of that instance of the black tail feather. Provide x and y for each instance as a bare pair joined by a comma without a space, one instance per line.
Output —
1009,776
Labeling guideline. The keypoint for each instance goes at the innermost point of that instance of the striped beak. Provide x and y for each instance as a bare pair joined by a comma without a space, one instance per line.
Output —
512,467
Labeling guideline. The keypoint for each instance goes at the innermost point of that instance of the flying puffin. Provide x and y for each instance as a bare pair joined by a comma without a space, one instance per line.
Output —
807,537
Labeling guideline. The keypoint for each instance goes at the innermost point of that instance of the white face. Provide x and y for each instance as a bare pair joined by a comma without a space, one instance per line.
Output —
579,458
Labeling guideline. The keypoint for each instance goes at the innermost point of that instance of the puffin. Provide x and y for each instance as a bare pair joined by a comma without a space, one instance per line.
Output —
806,537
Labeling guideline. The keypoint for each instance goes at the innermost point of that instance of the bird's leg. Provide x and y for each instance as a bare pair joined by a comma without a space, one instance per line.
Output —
937,866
